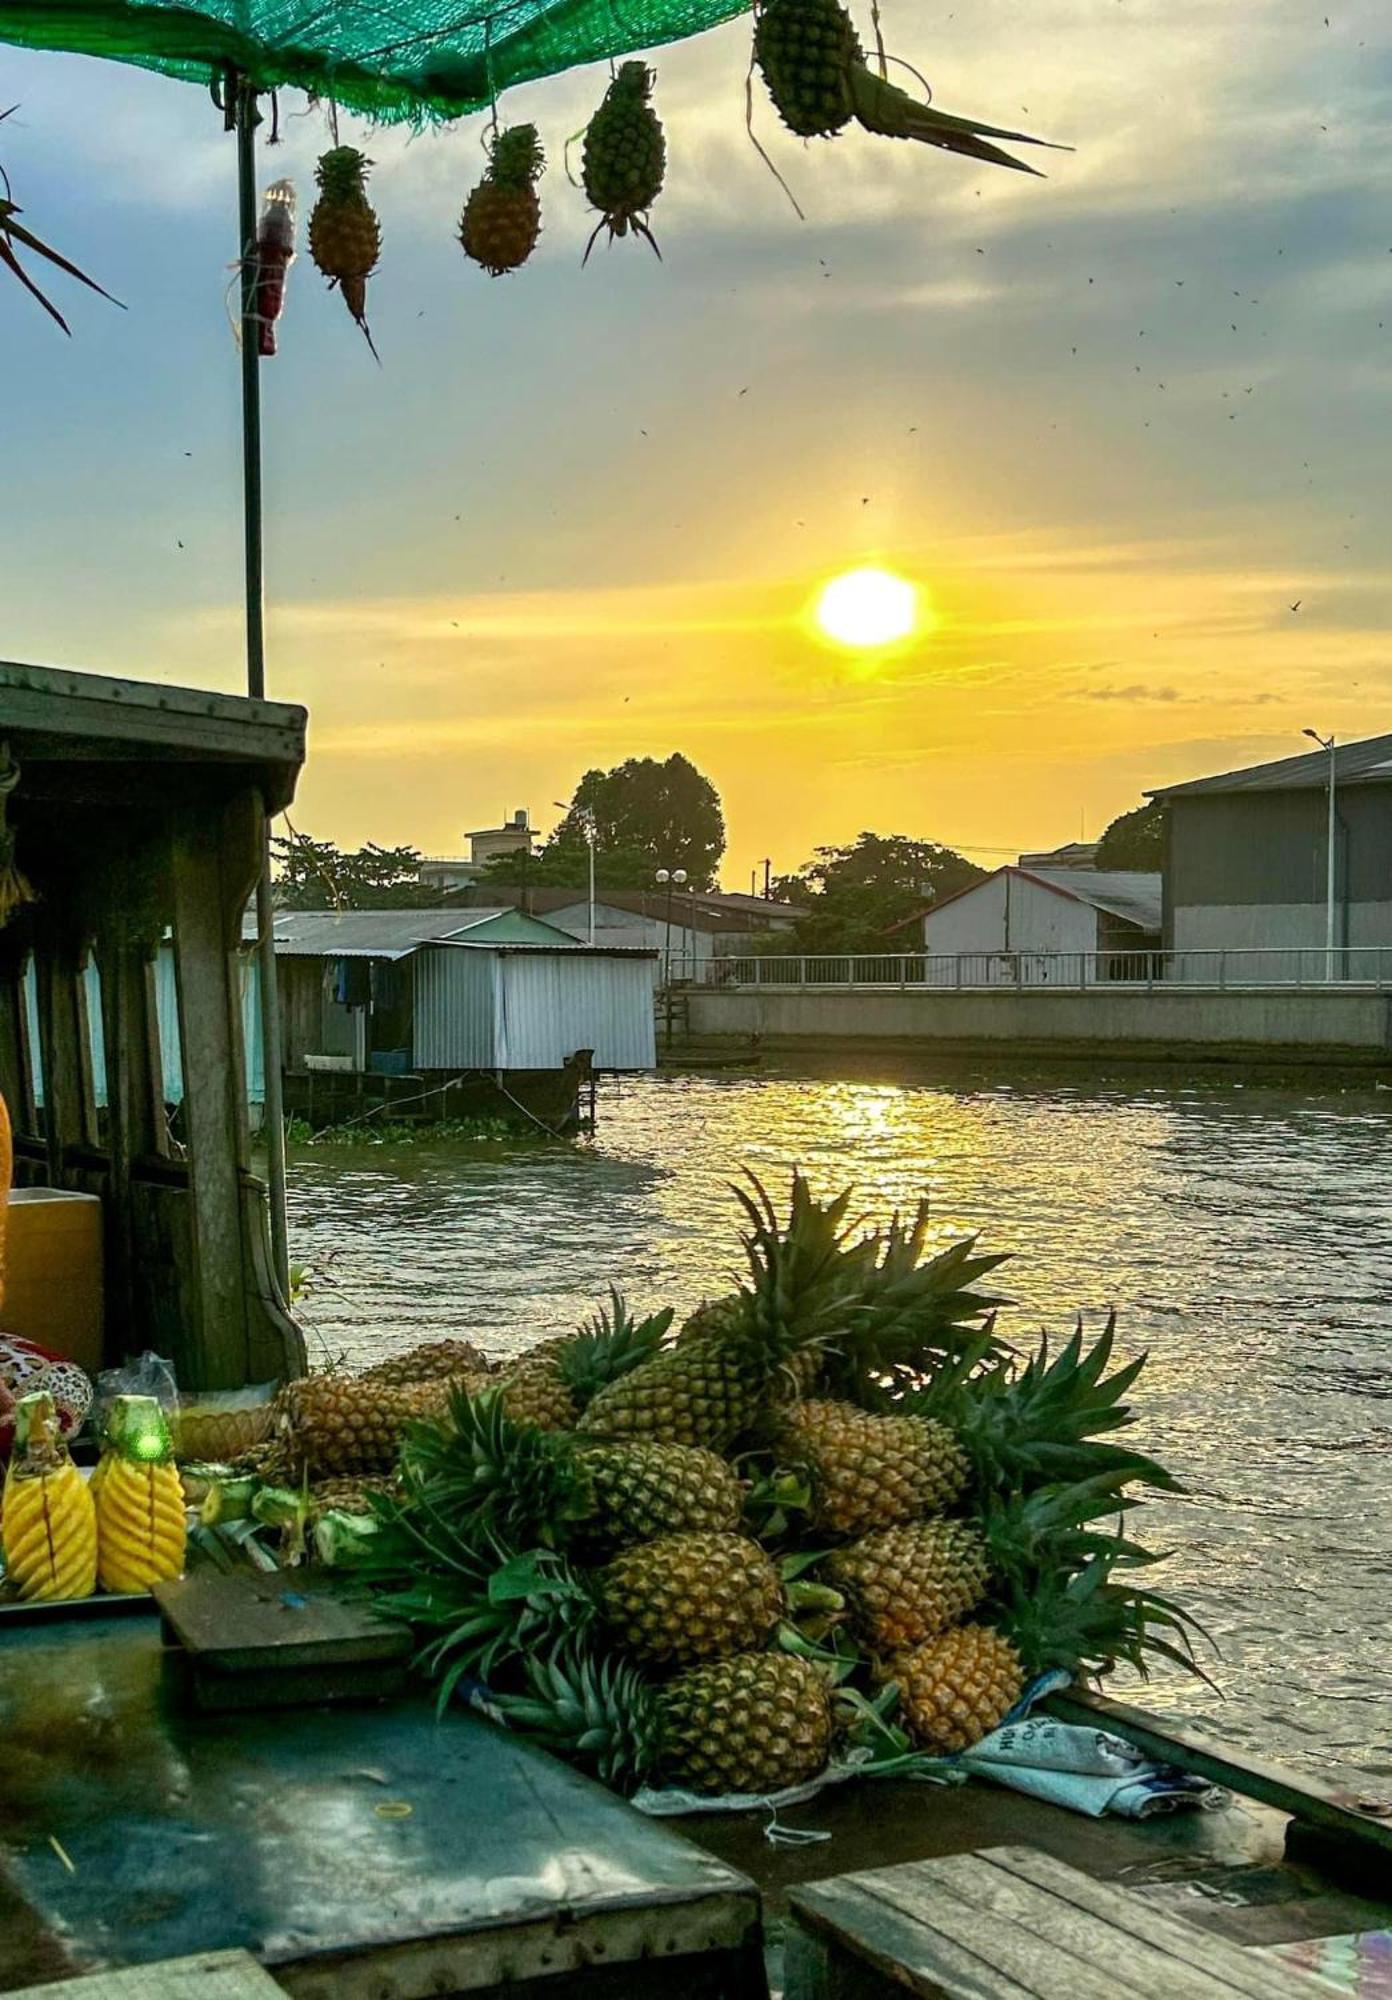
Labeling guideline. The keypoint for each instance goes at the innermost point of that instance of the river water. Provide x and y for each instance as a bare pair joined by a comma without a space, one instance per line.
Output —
1244,1235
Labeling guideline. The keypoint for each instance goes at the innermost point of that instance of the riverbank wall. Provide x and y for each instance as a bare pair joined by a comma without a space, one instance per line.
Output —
1299,1026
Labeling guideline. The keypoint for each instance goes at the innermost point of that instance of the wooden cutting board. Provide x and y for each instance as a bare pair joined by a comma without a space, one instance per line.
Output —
253,1640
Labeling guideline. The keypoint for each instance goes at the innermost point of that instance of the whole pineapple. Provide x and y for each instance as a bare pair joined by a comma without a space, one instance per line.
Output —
48,1526
712,1385
141,1527
754,1724
867,1471
434,1361
641,1491
908,1584
624,160
811,60
805,50
502,216
690,1597
552,1384
334,1425
958,1687
345,237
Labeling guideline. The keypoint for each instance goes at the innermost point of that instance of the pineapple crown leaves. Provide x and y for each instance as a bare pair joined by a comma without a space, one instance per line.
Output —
634,80
871,1297
515,157
480,1467
597,1710
475,1604
905,1317
342,174
36,1435
610,1345
1039,1425
1088,1621
1051,1531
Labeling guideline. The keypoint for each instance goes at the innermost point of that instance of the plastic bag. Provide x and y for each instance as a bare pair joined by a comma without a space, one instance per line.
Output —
149,1375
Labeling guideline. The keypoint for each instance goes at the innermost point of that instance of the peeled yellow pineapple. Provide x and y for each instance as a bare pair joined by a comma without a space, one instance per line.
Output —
49,1525
141,1528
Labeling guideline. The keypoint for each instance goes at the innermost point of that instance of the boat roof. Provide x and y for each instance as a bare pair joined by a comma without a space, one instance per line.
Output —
55,715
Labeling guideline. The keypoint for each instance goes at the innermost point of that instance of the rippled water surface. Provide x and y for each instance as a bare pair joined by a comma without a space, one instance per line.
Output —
1244,1234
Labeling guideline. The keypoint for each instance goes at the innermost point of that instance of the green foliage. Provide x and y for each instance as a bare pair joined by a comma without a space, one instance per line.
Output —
395,1132
1134,840
853,896
655,815
316,875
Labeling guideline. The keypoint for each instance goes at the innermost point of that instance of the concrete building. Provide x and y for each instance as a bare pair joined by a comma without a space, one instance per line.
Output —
1246,863
514,836
1018,921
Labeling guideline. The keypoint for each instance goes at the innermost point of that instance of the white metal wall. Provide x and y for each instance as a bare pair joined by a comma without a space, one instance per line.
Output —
554,1004
478,1008
455,1008
1010,914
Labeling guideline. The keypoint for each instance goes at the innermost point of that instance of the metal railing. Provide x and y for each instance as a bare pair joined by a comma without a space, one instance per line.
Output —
1212,970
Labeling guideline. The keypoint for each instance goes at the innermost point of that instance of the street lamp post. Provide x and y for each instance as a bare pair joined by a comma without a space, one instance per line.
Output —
1327,743
671,879
587,821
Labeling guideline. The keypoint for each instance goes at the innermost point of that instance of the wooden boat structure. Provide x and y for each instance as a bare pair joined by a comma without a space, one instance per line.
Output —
368,1849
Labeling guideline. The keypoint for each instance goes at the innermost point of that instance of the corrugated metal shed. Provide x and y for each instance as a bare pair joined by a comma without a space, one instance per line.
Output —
1367,762
519,1007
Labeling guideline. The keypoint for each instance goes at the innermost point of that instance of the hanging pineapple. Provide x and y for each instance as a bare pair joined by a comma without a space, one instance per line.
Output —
49,1525
625,156
811,60
141,1528
345,238
502,217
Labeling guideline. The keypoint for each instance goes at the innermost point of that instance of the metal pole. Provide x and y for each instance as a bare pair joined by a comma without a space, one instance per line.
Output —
590,838
273,1108
1329,875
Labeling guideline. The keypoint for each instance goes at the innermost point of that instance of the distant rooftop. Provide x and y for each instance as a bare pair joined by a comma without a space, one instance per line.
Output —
1365,762
1073,854
375,933
1132,893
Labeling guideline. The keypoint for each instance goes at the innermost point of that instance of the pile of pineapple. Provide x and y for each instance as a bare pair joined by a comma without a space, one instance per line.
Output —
832,1511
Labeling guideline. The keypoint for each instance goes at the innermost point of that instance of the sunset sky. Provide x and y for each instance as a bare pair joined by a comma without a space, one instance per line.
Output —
1114,424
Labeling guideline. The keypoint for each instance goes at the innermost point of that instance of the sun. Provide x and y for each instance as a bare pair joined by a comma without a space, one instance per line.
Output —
868,607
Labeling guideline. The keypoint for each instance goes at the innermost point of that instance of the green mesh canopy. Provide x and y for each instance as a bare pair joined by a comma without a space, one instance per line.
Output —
415,59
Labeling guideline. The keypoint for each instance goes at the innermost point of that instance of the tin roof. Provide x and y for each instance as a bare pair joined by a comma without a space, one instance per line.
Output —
1365,762
391,934
1134,895
1131,893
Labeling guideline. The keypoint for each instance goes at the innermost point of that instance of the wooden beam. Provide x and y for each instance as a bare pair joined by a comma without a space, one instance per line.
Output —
98,708
215,1356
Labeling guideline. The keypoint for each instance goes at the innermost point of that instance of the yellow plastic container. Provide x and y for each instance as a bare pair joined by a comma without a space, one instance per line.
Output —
53,1280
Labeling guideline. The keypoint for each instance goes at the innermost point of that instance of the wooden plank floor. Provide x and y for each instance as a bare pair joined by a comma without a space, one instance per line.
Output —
1010,1924
212,1975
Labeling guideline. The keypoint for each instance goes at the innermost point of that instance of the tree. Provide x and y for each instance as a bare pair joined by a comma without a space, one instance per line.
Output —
316,875
646,815
1134,840
853,896
566,865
